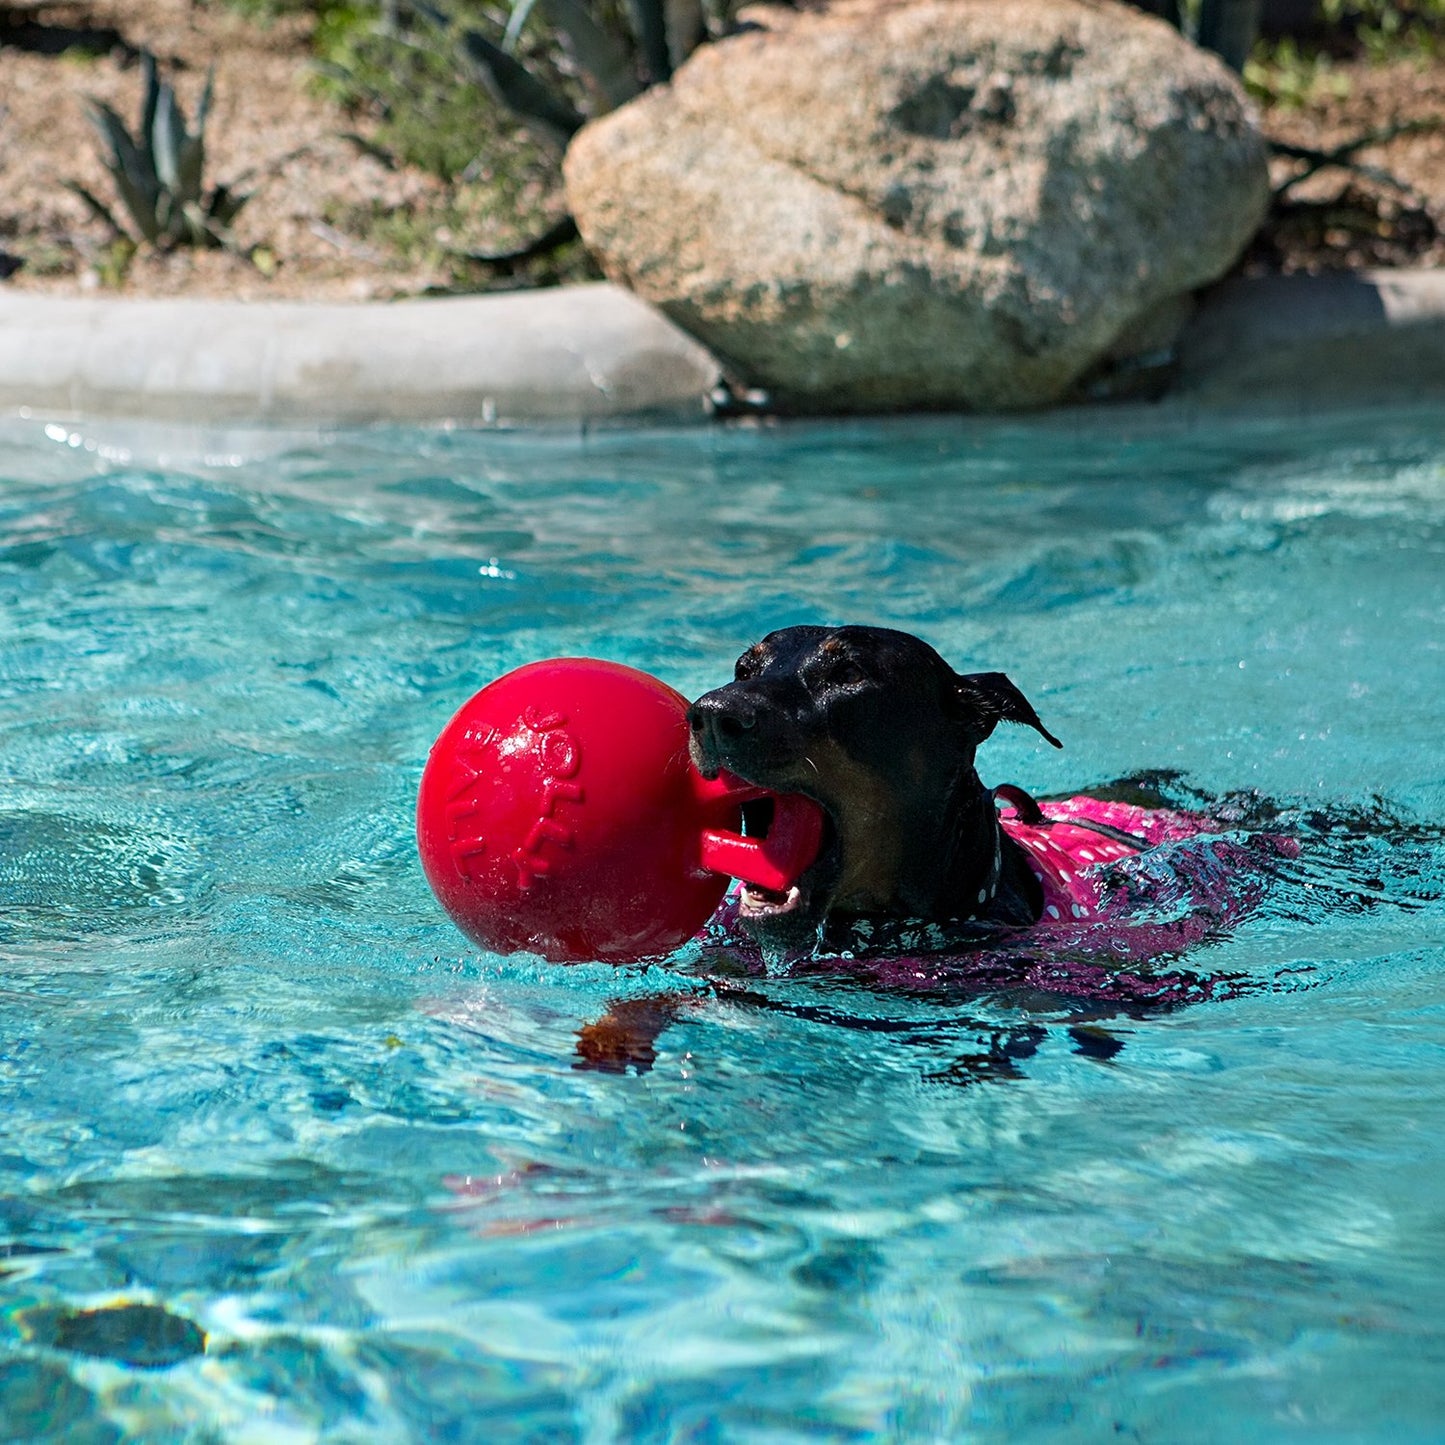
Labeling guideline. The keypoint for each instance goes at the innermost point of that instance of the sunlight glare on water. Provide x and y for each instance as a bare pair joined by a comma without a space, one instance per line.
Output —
257,1086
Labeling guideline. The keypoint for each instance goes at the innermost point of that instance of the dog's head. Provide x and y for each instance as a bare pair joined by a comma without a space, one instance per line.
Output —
875,727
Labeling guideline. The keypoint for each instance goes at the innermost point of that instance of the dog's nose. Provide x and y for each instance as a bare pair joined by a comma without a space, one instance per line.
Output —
724,718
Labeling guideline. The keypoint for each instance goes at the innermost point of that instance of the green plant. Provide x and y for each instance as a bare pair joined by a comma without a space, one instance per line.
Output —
113,263
1298,72
427,111
550,64
1390,29
1284,74
615,53
486,96
268,10
158,171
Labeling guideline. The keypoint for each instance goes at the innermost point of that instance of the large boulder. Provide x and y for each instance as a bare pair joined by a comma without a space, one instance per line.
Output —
909,203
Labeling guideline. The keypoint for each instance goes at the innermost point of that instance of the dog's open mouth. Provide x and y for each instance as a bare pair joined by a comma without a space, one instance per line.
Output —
756,902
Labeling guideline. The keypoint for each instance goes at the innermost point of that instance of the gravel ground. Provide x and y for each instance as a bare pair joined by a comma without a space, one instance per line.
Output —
331,221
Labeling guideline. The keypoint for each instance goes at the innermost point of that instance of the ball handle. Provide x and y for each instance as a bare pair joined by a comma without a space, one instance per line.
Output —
773,861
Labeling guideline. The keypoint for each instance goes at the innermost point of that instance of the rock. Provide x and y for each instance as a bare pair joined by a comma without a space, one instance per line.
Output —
924,203
148,1336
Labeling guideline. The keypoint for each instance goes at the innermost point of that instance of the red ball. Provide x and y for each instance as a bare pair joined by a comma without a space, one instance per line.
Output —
559,814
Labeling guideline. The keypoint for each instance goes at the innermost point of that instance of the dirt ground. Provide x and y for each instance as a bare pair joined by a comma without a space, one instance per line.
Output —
1341,220
317,217
316,196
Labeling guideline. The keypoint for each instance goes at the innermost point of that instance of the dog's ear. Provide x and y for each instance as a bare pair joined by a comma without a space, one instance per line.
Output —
989,698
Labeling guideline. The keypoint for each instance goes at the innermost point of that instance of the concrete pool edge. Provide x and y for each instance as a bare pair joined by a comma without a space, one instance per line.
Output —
595,353
572,354
1344,339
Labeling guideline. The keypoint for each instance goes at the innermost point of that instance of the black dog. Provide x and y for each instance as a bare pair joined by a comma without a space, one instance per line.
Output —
877,728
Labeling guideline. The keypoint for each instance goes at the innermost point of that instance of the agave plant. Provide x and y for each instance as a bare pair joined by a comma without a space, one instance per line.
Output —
157,172
614,60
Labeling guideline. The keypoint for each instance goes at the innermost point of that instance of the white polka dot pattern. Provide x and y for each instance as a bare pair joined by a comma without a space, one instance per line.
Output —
1065,851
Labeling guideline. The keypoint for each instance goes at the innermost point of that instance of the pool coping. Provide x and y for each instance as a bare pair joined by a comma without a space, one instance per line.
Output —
587,354
565,355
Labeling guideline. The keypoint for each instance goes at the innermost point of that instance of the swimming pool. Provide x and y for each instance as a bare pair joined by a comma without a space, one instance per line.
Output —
284,1159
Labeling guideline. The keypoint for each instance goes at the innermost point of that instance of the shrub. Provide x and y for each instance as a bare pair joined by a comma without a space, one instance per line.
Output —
158,171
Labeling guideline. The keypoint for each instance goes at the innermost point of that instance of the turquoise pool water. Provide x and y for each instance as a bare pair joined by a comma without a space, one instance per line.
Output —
282,1158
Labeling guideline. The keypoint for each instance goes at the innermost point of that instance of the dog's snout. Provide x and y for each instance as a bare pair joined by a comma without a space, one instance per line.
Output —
747,728
726,718
731,723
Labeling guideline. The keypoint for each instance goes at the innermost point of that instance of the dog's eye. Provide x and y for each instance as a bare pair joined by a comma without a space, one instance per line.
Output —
844,672
750,664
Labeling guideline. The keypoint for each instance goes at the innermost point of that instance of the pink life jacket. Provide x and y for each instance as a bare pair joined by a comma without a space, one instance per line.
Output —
1122,886
1068,839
